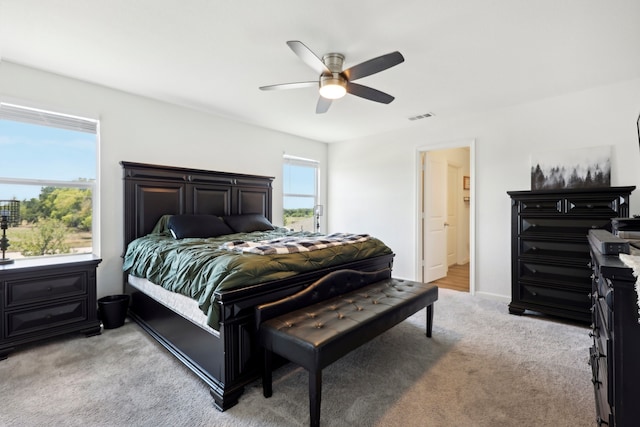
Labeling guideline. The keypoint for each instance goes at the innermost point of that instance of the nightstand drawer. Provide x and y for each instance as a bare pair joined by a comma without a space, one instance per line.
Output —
46,317
45,288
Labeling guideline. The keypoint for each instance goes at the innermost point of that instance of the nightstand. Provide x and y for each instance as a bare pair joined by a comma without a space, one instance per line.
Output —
46,297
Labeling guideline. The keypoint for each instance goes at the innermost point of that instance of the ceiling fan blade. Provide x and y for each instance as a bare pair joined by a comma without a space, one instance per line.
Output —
308,57
323,105
369,93
373,66
297,85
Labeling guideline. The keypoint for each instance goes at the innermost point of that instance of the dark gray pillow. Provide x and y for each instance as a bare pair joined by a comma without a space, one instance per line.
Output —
203,226
248,223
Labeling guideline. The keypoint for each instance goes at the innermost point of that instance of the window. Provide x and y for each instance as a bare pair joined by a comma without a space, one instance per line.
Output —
48,173
300,193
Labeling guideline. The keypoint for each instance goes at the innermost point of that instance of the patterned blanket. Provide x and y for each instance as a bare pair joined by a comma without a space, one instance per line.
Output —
288,245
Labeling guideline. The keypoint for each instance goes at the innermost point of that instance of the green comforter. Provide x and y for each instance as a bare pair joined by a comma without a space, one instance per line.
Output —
199,269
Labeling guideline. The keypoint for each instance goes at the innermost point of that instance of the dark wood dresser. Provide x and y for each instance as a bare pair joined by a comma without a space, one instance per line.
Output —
550,262
615,354
46,297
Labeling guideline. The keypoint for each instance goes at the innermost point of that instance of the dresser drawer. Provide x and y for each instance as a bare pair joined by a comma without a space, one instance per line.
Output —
565,276
555,249
608,205
600,384
560,227
604,290
601,324
552,205
553,296
45,288
22,322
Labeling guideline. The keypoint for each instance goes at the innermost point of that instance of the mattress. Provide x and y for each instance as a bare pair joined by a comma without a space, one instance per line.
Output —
181,304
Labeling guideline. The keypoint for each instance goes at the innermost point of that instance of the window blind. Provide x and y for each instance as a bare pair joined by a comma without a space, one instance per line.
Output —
46,118
299,161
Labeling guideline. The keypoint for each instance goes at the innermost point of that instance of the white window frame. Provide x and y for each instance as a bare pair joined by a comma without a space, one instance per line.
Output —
300,161
21,113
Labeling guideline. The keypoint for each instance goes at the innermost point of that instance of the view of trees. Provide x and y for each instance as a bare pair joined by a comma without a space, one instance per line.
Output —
299,219
51,222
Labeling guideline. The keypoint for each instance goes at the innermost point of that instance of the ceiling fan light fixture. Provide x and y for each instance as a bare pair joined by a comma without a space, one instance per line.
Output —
333,87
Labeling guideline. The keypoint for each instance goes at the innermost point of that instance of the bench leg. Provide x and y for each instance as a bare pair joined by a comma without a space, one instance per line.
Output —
266,373
315,394
429,319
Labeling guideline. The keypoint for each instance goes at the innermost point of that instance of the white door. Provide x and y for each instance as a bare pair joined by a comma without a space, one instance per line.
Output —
452,215
434,236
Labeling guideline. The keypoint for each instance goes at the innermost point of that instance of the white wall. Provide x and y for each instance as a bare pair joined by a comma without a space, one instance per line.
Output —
138,129
372,181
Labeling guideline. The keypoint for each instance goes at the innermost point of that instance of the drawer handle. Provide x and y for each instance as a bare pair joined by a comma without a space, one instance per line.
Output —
589,206
538,206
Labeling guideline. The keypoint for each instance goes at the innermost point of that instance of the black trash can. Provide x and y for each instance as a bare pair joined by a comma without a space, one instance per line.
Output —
112,310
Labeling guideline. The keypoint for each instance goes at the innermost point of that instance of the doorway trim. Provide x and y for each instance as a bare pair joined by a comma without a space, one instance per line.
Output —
445,145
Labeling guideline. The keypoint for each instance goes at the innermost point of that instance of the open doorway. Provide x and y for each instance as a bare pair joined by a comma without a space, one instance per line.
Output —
445,215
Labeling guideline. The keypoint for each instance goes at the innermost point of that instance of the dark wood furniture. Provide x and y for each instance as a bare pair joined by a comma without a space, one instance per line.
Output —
615,353
334,316
228,359
550,270
46,297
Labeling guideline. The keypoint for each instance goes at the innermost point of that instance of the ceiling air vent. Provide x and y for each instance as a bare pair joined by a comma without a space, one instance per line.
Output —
421,116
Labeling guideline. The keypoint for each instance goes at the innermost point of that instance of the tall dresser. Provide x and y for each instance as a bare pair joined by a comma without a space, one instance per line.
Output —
550,261
615,354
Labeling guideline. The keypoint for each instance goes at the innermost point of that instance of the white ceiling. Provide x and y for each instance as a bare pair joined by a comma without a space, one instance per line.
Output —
461,56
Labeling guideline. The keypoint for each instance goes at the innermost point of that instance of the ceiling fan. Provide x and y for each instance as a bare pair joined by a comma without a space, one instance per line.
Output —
334,82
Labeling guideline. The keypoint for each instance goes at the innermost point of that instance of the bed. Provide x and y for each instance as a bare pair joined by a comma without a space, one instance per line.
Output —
218,345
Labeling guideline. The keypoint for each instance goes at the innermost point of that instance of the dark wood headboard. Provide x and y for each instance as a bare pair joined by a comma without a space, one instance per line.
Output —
151,191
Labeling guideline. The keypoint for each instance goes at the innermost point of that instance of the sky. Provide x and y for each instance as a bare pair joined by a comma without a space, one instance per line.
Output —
30,151
299,180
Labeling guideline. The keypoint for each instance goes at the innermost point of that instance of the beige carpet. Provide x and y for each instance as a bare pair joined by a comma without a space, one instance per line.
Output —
483,367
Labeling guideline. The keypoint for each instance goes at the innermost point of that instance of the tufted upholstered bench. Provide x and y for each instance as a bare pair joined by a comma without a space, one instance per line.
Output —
333,316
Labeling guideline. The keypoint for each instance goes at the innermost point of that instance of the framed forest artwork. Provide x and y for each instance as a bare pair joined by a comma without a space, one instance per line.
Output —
578,168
